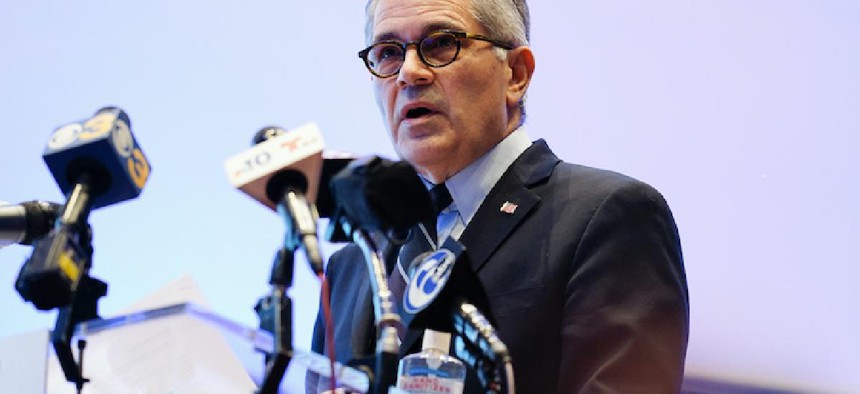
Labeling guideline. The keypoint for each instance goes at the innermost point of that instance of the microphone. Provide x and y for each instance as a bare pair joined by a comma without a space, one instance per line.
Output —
379,195
26,222
277,159
375,194
445,294
438,282
282,171
100,153
95,162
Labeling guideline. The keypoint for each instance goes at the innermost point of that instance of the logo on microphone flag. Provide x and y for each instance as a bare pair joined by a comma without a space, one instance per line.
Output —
432,272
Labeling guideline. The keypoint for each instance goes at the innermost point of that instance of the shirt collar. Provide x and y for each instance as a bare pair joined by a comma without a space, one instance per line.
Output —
471,185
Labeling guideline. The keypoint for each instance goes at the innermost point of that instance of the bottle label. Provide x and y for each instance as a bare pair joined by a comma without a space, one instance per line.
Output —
429,385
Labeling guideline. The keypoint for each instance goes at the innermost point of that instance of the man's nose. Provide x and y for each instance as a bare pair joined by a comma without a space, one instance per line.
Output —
413,71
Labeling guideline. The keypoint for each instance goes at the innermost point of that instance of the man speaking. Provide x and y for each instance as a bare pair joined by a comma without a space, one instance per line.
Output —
582,267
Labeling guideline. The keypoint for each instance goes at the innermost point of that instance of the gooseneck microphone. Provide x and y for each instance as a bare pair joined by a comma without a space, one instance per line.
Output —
289,188
95,162
445,294
377,194
282,171
26,222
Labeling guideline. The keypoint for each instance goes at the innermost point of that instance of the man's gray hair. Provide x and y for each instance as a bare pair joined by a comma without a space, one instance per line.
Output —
505,20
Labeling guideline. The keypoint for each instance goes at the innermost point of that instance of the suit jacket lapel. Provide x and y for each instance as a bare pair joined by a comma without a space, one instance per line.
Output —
508,203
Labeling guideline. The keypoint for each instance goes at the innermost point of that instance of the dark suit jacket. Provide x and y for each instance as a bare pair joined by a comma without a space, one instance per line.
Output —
585,280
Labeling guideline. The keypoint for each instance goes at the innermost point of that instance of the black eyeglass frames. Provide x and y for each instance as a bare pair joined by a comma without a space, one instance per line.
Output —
384,59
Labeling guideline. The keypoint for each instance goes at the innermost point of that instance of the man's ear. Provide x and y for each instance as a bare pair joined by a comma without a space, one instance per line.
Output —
521,60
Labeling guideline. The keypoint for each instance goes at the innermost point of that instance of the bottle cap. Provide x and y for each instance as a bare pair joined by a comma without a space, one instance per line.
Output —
436,340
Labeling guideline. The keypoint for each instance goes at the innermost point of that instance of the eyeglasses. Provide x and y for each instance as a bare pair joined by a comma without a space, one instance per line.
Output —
438,49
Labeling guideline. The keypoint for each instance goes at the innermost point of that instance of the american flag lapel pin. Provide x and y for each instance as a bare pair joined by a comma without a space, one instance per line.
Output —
508,208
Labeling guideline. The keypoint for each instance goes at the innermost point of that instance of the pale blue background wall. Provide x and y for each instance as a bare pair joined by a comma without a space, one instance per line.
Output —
743,113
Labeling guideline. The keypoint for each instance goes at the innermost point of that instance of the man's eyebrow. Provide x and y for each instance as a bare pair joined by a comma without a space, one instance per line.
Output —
433,27
386,37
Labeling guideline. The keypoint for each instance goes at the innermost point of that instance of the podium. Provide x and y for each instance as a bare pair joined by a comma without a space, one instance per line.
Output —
180,348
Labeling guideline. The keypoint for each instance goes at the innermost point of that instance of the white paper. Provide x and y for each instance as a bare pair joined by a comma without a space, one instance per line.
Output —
22,362
176,354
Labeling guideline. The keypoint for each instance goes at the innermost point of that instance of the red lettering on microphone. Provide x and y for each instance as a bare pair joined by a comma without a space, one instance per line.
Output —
291,144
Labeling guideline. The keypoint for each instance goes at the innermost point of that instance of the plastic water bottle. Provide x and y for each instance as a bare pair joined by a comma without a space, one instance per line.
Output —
432,371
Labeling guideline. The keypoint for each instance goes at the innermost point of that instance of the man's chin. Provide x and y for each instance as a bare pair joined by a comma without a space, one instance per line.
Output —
430,163
424,155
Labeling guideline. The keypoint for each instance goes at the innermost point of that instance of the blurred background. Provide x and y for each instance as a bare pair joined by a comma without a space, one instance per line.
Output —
743,113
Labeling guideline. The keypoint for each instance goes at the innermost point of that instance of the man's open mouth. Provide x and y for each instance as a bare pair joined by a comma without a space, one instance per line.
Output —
418,112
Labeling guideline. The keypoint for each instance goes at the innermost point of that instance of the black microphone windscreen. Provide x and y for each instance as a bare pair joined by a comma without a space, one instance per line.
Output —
41,216
379,194
266,133
284,180
331,167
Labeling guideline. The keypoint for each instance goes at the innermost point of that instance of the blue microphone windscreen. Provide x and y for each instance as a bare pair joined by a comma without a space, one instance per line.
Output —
103,150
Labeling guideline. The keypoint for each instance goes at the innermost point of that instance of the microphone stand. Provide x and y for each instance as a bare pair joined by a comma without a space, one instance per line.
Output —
275,314
275,310
68,248
84,307
482,349
385,315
